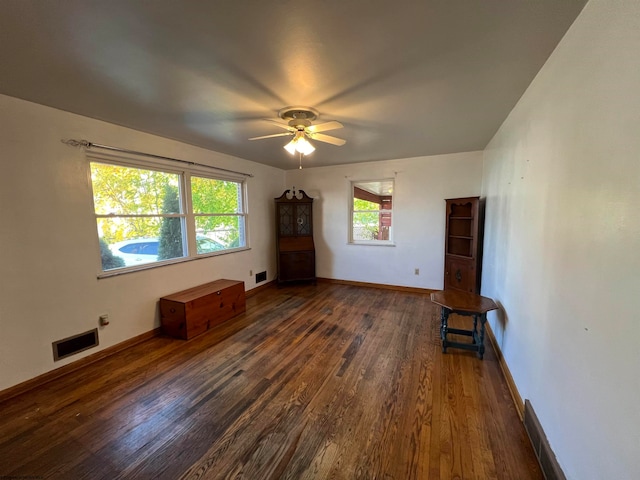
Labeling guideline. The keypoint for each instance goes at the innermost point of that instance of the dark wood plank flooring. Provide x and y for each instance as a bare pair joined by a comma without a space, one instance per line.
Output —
313,382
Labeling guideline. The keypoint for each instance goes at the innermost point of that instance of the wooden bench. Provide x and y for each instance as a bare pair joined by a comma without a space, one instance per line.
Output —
193,311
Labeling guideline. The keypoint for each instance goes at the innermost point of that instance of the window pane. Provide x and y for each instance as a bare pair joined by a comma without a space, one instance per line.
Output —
122,190
366,226
364,205
208,245
125,242
226,230
215,196
372,211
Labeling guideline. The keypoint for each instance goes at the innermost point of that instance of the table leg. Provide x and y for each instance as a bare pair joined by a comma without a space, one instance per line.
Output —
474,335
483,320
444,321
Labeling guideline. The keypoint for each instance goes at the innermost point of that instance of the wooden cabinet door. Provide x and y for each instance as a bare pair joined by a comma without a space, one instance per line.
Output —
286,220
294,220
460,274
297,266
303,219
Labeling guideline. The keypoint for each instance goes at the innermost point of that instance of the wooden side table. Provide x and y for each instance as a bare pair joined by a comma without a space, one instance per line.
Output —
467,304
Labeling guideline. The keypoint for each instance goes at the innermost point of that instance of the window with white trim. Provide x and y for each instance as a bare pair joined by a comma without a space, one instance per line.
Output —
149,215
371,209
218,213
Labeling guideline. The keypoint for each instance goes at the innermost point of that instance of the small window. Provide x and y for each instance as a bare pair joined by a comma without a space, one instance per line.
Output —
218,211
372,212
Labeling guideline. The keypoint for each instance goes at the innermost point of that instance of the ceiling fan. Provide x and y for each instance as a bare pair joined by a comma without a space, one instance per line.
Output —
299,125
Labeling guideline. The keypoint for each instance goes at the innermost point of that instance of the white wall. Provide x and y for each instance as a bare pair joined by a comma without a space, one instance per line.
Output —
421,185
562,243
49,254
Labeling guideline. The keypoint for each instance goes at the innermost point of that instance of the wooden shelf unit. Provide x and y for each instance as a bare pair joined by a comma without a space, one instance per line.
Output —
463,244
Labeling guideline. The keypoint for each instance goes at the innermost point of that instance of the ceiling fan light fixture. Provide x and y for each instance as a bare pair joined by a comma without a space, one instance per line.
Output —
299,144
304,146
291,146
299,123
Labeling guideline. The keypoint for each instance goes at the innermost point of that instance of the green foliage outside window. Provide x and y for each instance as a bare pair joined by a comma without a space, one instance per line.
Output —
366,219
170,245
216,203
109,260
121,190
149,206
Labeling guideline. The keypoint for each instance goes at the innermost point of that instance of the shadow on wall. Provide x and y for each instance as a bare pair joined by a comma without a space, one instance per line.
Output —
322,247
502,319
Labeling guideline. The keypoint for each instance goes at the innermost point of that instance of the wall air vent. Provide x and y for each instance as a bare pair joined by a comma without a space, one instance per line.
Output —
261,277
77,343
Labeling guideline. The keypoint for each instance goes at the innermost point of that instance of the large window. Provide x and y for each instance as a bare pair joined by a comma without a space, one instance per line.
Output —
148,215
371,212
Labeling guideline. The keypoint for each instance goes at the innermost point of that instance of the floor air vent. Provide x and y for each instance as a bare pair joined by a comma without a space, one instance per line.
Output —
547,459
77,343
261,277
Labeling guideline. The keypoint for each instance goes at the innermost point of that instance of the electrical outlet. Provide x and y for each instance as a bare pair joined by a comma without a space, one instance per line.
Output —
416,271
104,320
250,273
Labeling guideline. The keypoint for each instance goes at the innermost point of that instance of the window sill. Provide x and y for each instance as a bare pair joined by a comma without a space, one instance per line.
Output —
380,243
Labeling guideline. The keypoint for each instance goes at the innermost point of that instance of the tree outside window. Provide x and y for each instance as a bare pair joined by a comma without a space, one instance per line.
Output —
143,217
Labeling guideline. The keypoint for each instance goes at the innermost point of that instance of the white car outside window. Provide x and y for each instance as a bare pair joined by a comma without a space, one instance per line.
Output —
145,250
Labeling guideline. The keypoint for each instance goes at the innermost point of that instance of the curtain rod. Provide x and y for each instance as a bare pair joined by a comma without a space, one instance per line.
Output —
87,144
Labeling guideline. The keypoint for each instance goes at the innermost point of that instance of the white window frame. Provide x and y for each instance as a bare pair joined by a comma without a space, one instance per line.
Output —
351,240
191,216
188,231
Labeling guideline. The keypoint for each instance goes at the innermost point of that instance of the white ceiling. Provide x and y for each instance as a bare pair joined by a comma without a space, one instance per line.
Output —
406,78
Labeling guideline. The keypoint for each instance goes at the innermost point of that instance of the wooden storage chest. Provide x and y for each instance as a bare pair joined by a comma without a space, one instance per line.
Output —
193,311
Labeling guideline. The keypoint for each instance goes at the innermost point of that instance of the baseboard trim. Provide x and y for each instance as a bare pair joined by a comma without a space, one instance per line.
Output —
515,395
253,291
377,285
78,364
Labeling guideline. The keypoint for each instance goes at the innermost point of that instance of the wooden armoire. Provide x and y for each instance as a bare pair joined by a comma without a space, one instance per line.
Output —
463,244
294,237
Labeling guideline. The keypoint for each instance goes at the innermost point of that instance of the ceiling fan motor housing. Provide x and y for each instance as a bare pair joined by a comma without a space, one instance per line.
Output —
298,117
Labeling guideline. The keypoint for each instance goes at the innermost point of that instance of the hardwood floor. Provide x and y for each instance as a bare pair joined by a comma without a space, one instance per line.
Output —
327,381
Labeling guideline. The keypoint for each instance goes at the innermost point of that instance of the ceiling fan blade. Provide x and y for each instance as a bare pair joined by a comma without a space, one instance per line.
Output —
321,137
322,127
280,124
272,136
